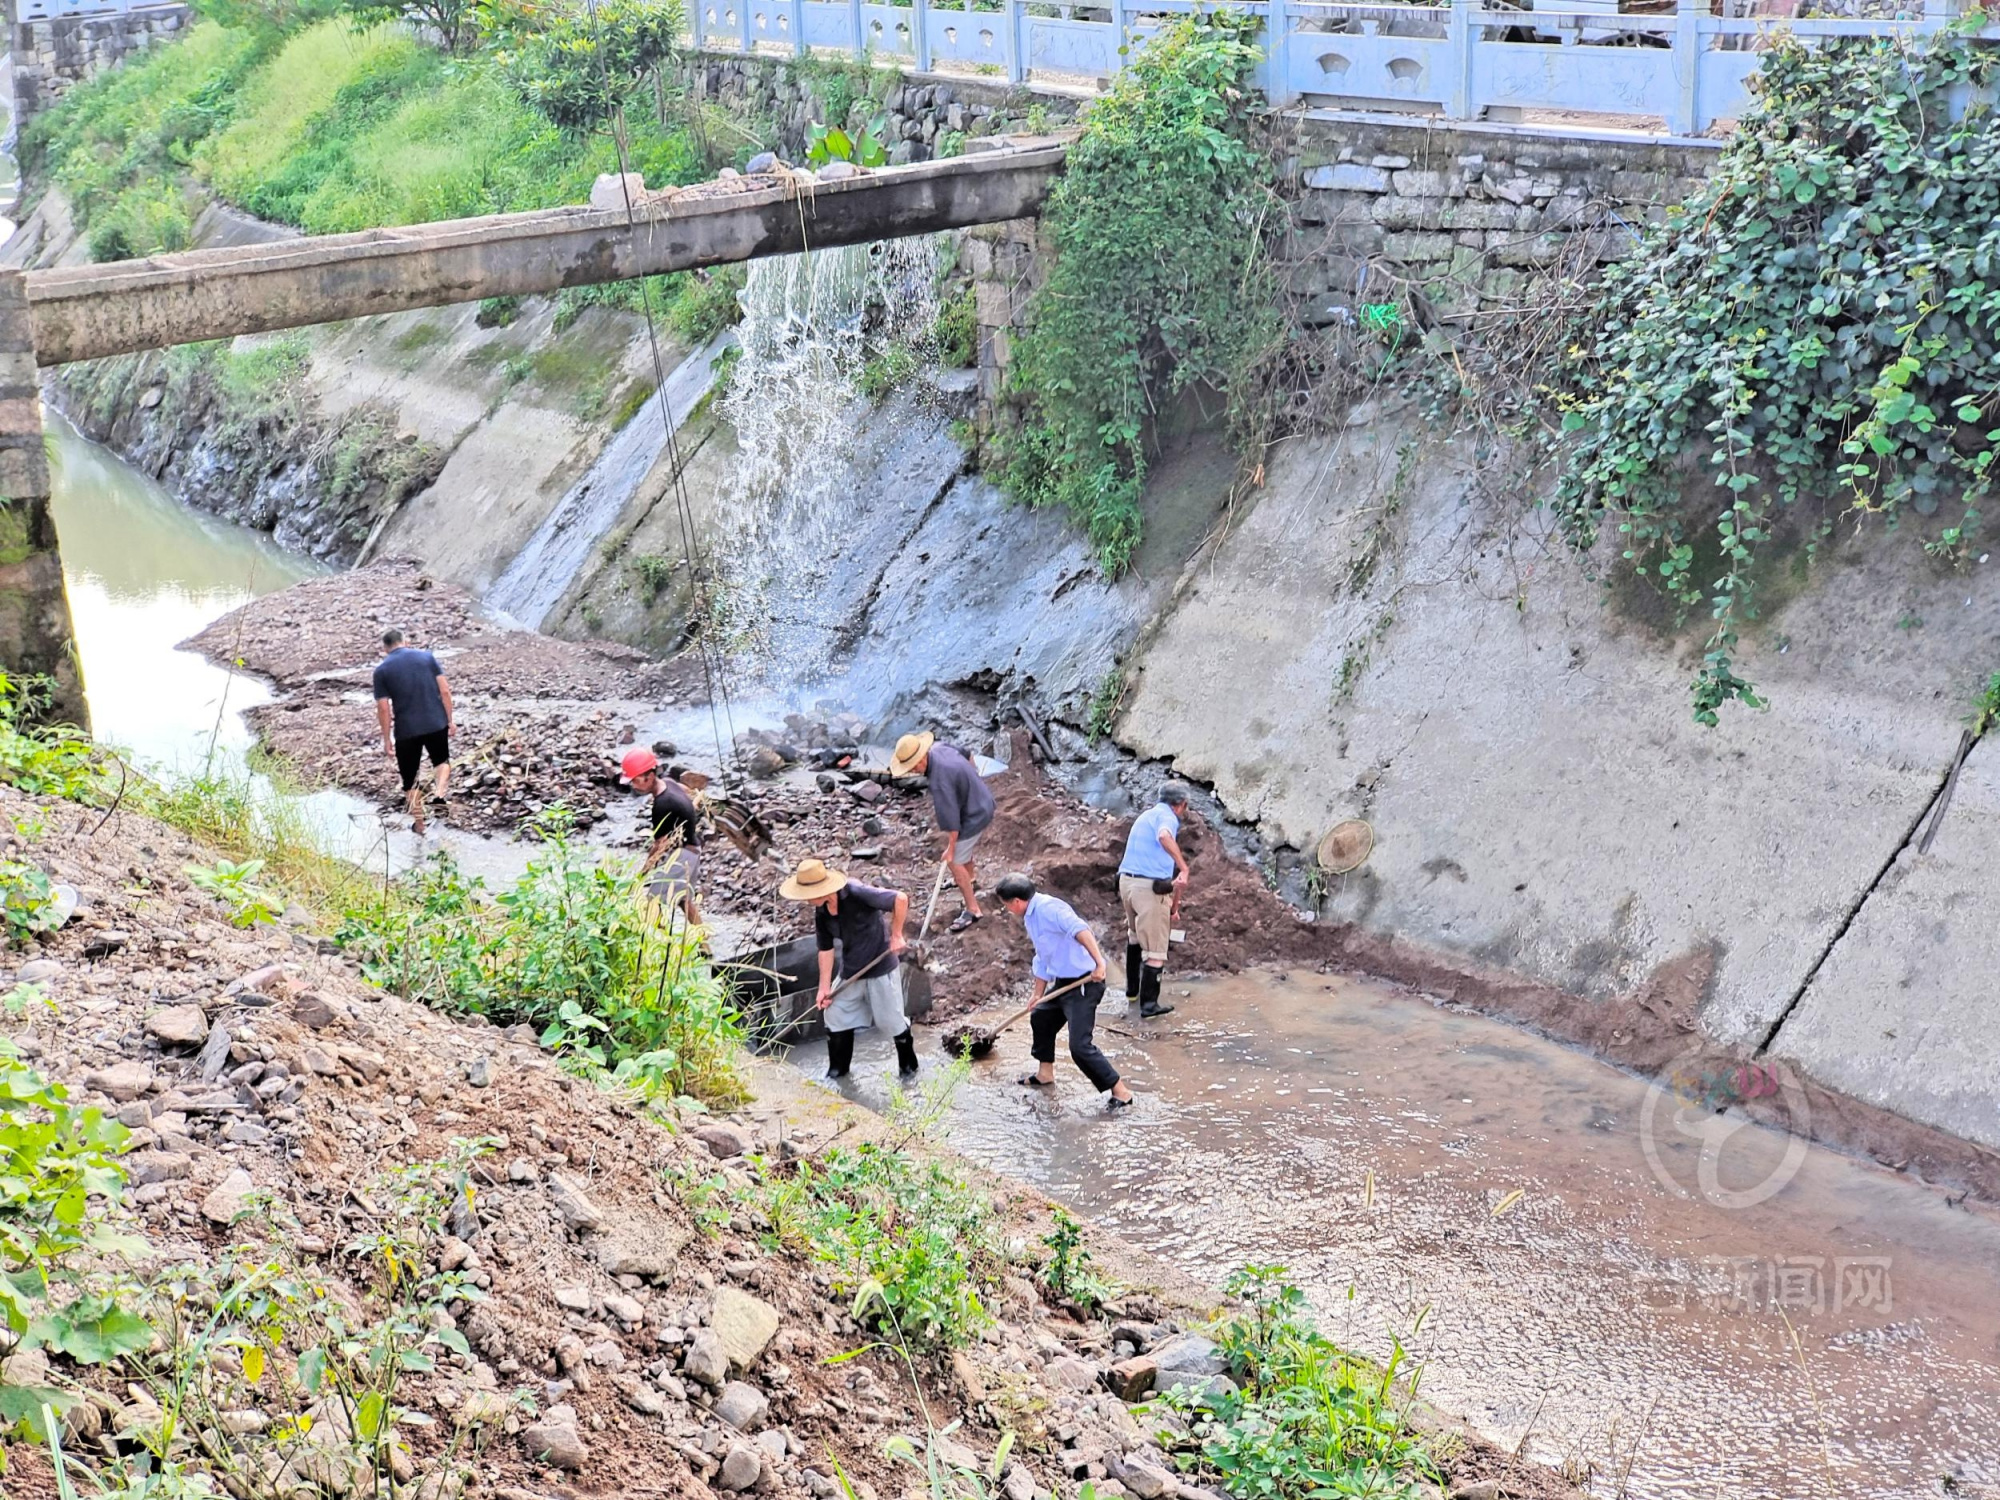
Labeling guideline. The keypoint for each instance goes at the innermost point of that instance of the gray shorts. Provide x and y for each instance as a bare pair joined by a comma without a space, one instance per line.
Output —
875,1001
963,855
674,877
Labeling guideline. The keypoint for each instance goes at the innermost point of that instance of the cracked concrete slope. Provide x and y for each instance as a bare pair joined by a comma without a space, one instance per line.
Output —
1560,815
1903,1012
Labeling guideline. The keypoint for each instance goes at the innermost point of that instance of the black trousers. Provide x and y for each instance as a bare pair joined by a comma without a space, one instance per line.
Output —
1078,1011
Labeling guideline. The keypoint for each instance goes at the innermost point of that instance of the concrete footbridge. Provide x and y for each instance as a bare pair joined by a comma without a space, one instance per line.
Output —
88,312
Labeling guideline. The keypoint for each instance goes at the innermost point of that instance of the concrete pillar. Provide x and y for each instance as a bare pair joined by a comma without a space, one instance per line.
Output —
35,631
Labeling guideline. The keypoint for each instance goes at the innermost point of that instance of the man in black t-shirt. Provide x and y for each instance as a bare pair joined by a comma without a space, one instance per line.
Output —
413,706
673,863
865,923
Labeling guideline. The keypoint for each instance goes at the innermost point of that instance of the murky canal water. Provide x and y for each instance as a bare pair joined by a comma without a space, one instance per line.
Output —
145,573
1838,1339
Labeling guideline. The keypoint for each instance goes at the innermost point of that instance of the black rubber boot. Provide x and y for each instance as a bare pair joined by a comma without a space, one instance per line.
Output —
906,1054
1149,996
1133,964
839,1053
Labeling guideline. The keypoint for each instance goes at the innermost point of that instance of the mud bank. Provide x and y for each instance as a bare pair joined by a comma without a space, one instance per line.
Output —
544,721
616,1337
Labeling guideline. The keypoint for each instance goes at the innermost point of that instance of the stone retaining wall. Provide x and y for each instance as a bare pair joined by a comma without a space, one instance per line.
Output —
52,55
1468,218
928,114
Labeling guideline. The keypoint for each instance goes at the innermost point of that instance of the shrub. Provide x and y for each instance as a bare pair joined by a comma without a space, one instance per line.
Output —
1160,280
571,949
1814,330
1308,1420
44,760
706,303
957,332
914,1235
54,1159
887,370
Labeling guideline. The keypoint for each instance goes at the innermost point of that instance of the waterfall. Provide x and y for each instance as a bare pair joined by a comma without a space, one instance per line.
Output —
810,323
542,571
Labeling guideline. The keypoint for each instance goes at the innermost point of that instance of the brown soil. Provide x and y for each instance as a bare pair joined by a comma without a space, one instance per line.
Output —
386,1084
538,719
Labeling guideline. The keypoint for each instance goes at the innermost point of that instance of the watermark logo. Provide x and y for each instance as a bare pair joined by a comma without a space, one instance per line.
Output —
1696,1150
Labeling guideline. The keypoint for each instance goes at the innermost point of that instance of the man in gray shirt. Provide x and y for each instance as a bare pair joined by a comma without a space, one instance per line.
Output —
961,802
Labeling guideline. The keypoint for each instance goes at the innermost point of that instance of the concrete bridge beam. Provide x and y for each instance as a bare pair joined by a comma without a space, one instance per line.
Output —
89,312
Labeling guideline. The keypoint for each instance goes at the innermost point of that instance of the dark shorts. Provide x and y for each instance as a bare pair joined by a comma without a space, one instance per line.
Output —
410,754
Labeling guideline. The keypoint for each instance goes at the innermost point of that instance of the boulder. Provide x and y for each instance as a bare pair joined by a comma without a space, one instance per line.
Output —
1145,1479
557,1446
742,1406
763,161
123,1081
740,1468
743,1324
721,1140
223,1204
1187,1360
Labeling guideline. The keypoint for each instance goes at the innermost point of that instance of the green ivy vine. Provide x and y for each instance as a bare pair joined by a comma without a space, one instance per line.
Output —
1160,280
1819,328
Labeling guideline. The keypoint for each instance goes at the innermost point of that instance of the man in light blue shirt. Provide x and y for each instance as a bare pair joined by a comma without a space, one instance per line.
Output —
1151,877
1066,952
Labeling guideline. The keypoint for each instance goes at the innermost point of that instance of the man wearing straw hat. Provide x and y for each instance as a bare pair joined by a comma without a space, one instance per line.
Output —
1069,972
867,922
961,802
673,863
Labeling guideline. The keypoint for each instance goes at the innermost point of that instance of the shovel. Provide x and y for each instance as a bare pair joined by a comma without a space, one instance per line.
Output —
977,1041
916,953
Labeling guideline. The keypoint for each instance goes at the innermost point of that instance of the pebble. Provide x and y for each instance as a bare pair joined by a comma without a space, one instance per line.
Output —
575,1298
1146,1480
37,971
721,1140
223,1204
314,1011
705,1360
573,1203
245,1133
557,1446
123,1081
742,1406
740,1468
1131,1379
625,1309
1072,1374
838,171
479,1072
763,161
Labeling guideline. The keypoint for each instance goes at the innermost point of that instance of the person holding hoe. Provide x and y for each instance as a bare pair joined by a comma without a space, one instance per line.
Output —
961,802
1069,983
673,861
867,922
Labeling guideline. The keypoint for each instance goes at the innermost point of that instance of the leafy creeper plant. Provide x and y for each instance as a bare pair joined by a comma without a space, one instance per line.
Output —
1817,330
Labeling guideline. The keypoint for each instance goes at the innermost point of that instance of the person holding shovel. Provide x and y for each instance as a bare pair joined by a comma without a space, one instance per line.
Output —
961,802
1151,877
1069,983
867,922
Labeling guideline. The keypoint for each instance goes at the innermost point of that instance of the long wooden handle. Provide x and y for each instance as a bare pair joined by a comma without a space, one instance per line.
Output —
860,973
1074,984
937,890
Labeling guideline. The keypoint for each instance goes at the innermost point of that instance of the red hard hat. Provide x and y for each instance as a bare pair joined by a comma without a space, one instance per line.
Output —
637,762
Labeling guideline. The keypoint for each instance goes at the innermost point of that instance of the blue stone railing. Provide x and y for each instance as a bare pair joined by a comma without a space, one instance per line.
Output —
1460,61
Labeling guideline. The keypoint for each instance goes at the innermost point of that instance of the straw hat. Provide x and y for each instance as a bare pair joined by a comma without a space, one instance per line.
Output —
1346,847
910,749
811,881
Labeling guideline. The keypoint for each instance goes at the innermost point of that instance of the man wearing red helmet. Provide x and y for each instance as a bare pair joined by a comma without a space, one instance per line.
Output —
676,823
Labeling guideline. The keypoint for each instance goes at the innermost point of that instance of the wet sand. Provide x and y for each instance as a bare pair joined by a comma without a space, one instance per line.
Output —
1789,1324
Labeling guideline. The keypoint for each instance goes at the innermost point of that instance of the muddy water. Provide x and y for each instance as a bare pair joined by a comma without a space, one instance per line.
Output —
144,573
1839,1338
